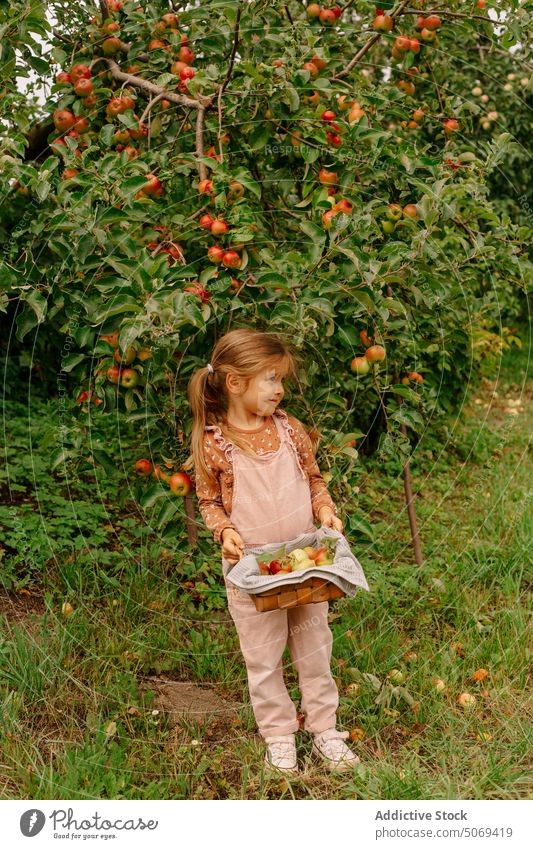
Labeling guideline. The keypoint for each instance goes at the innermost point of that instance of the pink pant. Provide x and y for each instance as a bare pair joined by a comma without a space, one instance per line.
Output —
263,637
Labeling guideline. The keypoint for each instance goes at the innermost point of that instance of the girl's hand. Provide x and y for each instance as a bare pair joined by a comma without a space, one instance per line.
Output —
328,519
232,545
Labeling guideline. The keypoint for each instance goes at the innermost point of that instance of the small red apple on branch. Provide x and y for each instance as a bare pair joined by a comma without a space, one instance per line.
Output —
180,484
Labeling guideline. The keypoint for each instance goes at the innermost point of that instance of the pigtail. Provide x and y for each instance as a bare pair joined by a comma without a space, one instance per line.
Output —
205,403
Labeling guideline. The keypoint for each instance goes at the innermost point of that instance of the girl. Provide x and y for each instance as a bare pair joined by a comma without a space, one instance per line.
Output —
257,482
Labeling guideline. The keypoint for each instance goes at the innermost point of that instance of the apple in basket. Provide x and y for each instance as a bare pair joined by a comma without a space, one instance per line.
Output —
323,558
300,560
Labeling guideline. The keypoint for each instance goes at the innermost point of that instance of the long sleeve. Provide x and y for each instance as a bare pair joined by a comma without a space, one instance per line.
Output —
210,497
320,496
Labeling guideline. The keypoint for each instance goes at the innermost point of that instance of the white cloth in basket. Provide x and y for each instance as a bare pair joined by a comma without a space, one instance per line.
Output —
346,571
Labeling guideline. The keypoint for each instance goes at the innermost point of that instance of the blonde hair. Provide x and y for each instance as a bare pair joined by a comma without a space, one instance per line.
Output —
243,353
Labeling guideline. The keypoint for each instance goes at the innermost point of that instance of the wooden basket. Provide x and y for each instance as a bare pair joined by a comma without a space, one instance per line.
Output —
288,595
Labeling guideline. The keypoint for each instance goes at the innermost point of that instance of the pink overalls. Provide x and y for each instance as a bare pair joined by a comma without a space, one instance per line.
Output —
272,503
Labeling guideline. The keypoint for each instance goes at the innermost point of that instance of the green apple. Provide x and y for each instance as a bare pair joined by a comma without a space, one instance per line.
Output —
298,554
300,565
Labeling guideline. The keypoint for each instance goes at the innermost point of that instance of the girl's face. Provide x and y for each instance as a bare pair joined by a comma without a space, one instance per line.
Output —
264,391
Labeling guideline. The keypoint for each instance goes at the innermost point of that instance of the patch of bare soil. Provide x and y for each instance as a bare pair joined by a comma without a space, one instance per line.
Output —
189,704
17,608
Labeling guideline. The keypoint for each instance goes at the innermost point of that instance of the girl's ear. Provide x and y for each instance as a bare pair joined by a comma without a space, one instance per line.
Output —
233,383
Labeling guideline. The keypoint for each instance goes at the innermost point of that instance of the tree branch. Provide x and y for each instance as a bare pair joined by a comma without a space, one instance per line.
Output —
150,88
233,52
226,81
149,107
371,41
445,13
289,16
200,121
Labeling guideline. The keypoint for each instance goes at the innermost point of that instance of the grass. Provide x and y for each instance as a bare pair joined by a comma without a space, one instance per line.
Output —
80,713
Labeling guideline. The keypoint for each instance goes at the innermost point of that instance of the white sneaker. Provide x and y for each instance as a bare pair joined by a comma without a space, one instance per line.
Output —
330,746
281,754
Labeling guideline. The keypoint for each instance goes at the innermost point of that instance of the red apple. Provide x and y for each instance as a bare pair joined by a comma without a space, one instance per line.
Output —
187,73
170,19
111,45
177,68
199,290
78,72
69,174
158,44
63,78
313,10
433,22
320,63
63,120
343,206
186,55
205,186
180,484
231,259
327,17
365,338
143,467
327,218
410,211
127,357
218,227
360,365
81,125
328,116
113,374
375,354
334,139
112,339
402,43
215,254
327,178
383,23
153,185
83,87
311,67
451,125
206,222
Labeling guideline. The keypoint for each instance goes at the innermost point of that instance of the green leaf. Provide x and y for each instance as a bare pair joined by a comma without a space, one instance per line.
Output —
132,185
152,494
259,136
167,512
106,134
115,306
315,233
40,65
271,278
71,361
37,302
291,98
359,525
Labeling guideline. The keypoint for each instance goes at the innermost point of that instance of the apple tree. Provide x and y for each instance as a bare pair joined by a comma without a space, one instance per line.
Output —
334,173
